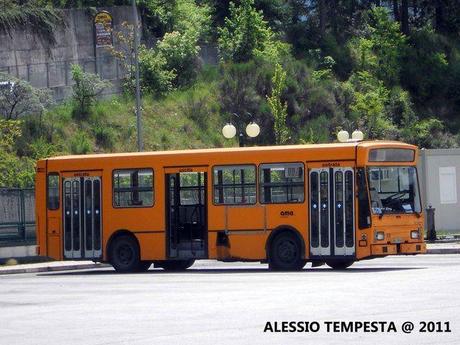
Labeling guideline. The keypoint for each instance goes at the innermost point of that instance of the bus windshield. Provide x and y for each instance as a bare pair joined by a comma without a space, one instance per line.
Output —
394,190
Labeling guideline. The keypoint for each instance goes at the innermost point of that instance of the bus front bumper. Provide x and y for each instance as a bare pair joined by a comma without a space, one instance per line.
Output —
401,248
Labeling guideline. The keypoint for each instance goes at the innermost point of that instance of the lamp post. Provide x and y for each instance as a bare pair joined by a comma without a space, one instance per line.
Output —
252,130
138,90
343,136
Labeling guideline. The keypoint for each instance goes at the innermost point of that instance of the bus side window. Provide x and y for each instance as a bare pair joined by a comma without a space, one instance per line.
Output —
53,191
364,212
133,188
281,183
234,185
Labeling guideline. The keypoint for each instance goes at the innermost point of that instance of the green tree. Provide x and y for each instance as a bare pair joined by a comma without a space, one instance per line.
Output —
180,52
370,97
246,35
381,49
278,107
193,19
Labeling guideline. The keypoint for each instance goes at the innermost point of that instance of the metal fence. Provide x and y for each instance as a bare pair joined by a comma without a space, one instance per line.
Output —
17,216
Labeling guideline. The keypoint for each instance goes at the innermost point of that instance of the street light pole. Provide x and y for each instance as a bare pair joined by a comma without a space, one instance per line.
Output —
138,90
229,130
239,130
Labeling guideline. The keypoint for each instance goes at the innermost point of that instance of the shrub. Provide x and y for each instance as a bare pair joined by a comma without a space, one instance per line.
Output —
104,135
155,77
80,143
14,171
87,88
18,98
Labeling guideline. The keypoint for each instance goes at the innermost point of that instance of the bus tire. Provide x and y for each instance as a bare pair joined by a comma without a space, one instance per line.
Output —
144,266
340,265
124,254
176,265
286,253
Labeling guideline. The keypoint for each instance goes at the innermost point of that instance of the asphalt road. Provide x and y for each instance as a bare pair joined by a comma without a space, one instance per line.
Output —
231,303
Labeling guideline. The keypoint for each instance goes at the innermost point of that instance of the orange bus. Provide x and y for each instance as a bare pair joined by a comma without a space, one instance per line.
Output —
285,205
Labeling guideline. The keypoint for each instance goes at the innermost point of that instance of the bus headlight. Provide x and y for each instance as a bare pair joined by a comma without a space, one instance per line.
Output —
379,235
414,234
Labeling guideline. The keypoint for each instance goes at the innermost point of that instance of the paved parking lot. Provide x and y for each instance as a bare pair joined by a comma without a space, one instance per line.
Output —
231,303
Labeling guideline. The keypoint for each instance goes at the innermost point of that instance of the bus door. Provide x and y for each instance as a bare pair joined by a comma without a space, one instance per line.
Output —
332,224
186,212
82,215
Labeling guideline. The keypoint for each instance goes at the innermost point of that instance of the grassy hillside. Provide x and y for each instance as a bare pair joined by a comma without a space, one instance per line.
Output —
186,118
301,70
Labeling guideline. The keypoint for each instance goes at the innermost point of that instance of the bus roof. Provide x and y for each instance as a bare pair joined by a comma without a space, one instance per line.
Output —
280,148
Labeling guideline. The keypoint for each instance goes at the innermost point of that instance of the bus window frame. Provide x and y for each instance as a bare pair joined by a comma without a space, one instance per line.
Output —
259,185
113,188
54,173
370,214
373,162
235,165
394,166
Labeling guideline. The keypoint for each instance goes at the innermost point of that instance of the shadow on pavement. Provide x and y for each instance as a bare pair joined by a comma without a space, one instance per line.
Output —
110,271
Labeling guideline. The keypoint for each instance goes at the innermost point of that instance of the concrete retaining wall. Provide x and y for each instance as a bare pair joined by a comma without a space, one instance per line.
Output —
46,65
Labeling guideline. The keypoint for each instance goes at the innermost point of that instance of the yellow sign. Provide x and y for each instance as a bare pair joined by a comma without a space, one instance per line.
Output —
103,23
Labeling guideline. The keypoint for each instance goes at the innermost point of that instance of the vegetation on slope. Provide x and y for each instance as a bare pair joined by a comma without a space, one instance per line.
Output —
301,69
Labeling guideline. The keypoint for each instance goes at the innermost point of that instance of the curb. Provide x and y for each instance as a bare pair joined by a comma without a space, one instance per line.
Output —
51,268
443,251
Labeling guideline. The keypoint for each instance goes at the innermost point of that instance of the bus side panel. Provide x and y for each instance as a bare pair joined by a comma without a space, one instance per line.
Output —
292,216
54,235
152,246
40,208
248,247
364,239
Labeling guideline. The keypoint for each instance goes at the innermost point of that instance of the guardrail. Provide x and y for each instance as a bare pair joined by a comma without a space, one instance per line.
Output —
17,216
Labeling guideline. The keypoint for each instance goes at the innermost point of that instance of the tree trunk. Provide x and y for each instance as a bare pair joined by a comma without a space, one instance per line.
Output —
405,17
439,15
396,10
322,17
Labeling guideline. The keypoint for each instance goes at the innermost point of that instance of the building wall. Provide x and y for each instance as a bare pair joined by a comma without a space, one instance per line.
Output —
439,172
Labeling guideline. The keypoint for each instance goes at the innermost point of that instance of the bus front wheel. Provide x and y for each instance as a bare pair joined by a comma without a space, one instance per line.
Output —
286,253
124,255
176,265
339,265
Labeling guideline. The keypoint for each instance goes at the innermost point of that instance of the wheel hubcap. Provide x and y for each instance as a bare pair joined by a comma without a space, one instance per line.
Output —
125,254
287,251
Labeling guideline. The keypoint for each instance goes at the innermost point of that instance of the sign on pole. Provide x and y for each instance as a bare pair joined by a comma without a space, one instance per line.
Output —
103,28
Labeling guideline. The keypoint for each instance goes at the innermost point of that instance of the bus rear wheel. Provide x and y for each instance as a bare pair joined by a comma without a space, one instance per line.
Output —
339,265
124,255
286,253
176,265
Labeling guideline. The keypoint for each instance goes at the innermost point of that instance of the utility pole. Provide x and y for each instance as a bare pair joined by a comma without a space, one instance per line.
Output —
138,90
